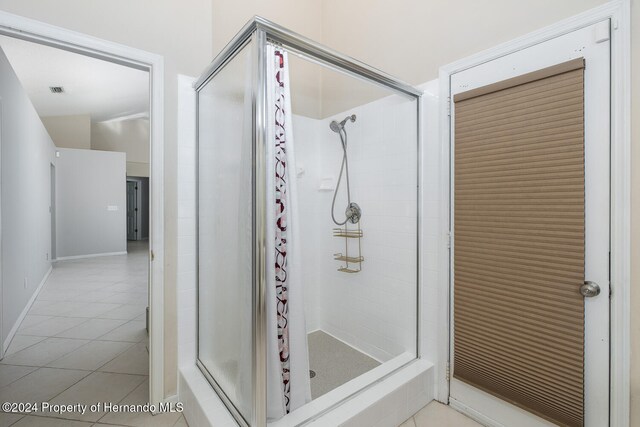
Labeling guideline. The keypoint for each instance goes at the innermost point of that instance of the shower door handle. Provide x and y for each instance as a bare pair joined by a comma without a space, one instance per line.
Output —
590,289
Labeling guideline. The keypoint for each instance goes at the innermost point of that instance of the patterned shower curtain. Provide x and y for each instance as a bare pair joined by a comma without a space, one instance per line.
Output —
288,384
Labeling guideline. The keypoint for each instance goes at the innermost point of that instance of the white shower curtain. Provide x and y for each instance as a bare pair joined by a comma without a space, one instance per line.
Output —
288,385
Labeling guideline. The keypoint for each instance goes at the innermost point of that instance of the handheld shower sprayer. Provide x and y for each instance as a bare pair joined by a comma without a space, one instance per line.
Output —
337,127
353,213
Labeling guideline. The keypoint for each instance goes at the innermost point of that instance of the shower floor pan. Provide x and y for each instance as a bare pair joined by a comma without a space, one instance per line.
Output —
334,363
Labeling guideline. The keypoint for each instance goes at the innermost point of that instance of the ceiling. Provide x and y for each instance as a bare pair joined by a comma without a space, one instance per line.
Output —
99,88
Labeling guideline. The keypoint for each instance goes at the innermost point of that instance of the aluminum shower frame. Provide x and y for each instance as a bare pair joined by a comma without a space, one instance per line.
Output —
257,33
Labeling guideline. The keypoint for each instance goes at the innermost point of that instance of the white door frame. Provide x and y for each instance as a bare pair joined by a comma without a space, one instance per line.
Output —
39,32
619,13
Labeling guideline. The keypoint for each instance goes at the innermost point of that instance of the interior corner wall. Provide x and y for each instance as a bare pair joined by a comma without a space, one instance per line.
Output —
126,136
90,203
180,31
27,153
73,131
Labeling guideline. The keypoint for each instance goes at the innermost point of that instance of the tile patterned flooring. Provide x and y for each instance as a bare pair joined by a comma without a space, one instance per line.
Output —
84,341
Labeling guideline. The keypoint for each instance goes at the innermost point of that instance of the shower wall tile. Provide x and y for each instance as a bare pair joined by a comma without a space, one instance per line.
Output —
309,147
374,310
186,248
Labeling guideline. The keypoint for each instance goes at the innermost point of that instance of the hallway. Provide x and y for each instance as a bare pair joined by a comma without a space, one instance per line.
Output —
84,341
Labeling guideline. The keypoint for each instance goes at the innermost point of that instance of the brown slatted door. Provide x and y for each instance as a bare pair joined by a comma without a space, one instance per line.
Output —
519,241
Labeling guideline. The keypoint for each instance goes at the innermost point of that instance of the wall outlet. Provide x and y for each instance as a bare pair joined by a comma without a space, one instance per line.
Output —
26,281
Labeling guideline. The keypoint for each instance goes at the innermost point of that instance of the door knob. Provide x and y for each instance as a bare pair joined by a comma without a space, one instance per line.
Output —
589,289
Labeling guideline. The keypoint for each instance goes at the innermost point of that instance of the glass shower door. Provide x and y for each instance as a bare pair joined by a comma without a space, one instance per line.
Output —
225,207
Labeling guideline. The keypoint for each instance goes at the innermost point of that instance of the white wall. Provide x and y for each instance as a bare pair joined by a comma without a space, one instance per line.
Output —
88,184
69,131
373,310
27,153
126,136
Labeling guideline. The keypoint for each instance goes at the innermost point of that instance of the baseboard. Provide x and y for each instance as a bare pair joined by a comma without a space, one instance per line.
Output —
172,399
473,414
66,258
16,325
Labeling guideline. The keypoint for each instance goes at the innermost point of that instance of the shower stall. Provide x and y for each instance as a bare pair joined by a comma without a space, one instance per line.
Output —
307,226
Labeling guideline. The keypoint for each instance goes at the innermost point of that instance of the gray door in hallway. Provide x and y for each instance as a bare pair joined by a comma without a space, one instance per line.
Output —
132,210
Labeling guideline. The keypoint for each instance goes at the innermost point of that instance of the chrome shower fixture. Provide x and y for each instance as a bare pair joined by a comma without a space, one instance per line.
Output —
337,127
353,211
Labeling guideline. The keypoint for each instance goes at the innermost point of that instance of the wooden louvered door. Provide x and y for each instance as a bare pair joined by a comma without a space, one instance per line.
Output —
530,217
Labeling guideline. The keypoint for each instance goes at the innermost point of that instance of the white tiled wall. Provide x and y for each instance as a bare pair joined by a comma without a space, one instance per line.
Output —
374,310
308,149
186,269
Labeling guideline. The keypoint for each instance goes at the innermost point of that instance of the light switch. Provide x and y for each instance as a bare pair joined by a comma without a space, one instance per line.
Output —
112,208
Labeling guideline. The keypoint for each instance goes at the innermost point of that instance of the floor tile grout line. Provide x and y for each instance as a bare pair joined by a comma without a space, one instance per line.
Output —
117,355
17,379
83,345
53,336
73,419
103,365
13,423
86,319
94,339
68,353
122,400
88,372
31,345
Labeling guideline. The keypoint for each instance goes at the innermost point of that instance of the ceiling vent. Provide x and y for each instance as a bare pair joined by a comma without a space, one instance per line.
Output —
56,89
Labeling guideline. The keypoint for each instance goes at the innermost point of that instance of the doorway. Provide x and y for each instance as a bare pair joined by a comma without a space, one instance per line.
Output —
530,222
137,208
33,31
132,210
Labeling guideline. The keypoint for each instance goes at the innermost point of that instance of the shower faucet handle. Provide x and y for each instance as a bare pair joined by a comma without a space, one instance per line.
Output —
353,213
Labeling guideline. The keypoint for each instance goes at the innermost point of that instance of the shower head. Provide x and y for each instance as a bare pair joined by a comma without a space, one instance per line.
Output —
337,127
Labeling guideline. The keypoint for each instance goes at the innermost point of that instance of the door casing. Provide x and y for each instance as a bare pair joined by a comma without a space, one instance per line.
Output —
619,13
580,43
